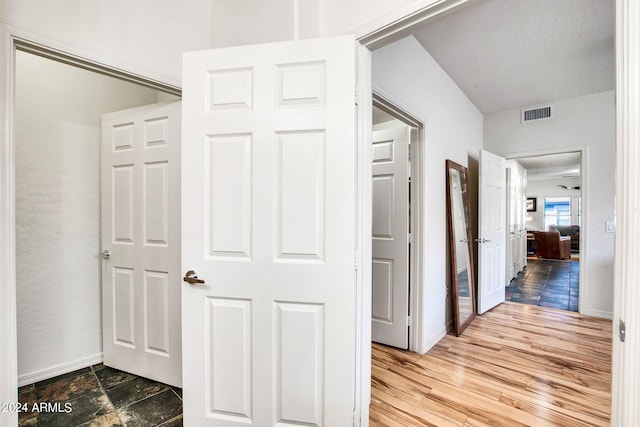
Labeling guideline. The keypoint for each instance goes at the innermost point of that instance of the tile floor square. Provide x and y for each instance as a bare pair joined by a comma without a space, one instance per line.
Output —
101,396
547,283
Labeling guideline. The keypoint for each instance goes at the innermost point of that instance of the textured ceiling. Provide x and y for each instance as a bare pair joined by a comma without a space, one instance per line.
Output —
507,54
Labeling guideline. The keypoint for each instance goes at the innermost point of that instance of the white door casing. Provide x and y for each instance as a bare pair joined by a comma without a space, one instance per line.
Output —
269,224
141,286
492,234
390,236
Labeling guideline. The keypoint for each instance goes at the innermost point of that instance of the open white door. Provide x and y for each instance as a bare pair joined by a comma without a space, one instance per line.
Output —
269,227
517,218
492,230
390,236
141,282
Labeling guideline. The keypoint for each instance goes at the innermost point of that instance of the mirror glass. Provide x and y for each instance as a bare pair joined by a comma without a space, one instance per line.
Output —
462,278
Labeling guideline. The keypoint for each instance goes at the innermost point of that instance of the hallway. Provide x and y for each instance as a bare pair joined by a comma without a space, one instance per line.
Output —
547,283
516,365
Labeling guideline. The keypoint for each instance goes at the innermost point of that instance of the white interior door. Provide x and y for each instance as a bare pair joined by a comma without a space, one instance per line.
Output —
519,217
510,272
492,230
269,225
390,237
517,247
141,285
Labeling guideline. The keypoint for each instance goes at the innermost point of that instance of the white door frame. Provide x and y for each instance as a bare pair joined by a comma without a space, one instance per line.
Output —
625,387
584,195
402,113
12,39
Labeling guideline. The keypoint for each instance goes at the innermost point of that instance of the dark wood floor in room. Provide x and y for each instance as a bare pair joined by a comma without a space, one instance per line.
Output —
516,365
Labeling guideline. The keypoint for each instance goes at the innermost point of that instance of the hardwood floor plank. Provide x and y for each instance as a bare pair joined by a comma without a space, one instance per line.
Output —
516,365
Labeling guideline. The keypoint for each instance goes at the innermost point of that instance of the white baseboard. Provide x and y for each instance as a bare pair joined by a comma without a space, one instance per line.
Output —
432,341
63,368
598,313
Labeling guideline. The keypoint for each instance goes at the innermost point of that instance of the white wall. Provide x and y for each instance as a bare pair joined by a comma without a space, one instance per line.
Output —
585,121
404,72
235,23
57,127
144,36
549,188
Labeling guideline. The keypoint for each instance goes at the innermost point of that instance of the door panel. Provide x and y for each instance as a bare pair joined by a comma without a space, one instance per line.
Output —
390,235
141,229
269,225
492,231
517,220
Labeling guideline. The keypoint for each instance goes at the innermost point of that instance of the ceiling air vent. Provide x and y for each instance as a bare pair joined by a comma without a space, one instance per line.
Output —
537,113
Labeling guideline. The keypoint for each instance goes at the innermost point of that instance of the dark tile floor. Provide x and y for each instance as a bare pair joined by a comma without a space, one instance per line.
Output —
547,283
100,396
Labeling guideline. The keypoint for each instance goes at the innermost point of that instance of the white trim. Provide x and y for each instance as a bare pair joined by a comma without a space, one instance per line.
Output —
400,23
364,249
599,313
8,353
79,62
31,36
625,387
63,368
436,338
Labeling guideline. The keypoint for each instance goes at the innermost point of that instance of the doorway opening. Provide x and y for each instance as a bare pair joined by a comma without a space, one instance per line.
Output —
396,238
545,216
58,104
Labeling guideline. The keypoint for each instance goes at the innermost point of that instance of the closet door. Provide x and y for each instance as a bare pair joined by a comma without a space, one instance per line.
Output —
141,285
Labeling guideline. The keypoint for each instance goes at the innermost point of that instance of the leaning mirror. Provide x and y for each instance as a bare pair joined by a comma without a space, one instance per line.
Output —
462,278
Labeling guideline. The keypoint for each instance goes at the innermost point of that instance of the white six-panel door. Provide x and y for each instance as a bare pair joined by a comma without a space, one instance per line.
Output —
269,226
141,281
517,222
492,230
390,237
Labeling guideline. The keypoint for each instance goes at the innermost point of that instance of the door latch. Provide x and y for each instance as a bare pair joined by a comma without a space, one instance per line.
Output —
483,240
622,328
106,254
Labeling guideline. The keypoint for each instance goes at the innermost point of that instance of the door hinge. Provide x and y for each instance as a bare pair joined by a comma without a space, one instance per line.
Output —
409,321
622,328
356,95
410,237
357,418
356,260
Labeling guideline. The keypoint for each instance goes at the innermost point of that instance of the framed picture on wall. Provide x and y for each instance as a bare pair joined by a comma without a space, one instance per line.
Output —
531,204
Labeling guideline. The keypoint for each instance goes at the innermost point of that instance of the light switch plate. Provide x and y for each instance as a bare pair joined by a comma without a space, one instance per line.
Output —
610,227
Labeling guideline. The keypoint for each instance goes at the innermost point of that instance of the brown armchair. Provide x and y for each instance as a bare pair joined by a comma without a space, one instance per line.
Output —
552,245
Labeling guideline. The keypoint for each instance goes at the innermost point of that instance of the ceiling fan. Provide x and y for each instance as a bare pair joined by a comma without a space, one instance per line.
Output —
569,188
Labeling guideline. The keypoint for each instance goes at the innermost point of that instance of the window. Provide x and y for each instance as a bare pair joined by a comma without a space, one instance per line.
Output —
557,211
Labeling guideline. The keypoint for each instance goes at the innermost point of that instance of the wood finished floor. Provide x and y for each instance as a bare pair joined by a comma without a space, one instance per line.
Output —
516,365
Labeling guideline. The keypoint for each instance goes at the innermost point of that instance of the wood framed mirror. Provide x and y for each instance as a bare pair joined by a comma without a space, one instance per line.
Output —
460,246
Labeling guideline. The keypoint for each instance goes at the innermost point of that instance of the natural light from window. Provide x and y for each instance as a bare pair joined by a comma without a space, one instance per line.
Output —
557,211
